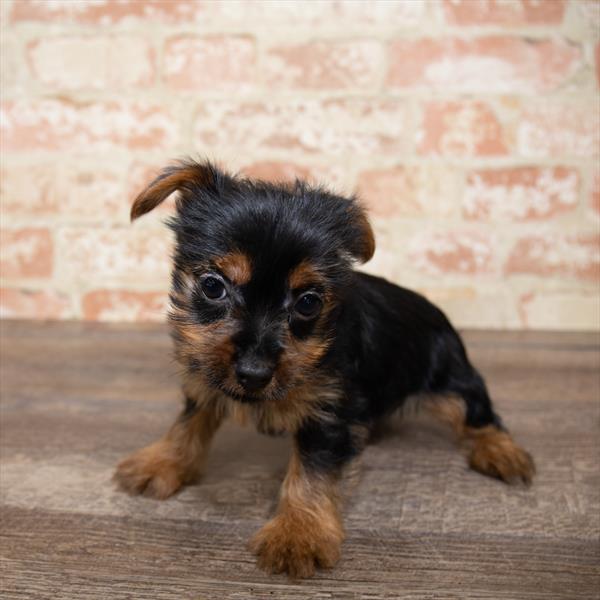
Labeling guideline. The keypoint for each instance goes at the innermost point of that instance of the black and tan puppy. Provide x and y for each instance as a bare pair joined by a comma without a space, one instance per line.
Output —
271,325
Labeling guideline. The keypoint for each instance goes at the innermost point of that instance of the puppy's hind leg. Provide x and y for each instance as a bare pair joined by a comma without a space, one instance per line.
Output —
160,469
466,406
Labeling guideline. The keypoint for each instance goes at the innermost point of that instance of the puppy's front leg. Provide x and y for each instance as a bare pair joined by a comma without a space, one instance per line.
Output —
160,469
307,531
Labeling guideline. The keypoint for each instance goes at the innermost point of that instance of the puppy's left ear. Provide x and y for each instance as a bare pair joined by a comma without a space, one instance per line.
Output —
362,240
185,176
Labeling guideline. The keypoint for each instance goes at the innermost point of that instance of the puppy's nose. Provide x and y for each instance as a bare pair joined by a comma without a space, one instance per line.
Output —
253,375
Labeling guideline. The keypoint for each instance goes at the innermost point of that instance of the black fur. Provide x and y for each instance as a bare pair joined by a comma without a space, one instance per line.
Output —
391,343
272,325
385,343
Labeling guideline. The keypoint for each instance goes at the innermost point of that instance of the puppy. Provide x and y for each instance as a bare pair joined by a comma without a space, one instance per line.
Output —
272,325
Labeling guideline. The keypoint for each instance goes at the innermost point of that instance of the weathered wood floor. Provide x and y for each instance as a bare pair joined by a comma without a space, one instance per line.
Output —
75,398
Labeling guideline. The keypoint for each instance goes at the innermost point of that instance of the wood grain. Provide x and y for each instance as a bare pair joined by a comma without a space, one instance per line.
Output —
77,397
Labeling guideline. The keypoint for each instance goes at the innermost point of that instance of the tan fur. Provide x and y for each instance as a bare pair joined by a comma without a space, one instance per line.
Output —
236,266
491,451
367,240
450,411
299,361
305,274
165,184
307,531
495,453
209,344
160,469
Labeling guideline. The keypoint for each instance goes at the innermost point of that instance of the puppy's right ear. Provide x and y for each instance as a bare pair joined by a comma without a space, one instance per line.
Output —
185,176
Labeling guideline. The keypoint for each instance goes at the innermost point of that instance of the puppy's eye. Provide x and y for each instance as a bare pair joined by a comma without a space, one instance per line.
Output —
308,305
213,288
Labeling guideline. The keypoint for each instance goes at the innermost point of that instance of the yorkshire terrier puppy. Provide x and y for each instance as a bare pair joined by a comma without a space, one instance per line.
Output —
272,325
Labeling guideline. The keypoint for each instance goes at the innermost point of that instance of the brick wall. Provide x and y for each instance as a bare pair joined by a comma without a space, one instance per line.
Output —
470,128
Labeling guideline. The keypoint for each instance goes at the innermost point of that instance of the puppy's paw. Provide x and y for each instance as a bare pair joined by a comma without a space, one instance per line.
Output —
296,545
495,453
152,471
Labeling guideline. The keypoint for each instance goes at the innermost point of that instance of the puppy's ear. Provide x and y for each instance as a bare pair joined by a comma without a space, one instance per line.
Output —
188,175
362,246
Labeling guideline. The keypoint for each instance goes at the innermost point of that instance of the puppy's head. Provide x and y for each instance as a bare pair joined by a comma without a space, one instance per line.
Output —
260,274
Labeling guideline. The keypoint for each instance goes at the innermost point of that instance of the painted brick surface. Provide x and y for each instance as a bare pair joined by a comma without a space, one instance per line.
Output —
521,194
325,65
41,304
464,128
410,191
97,62
488,64
210,63
470,129
552,255
354,126
449,252
512,13
119,305
67,126
26,253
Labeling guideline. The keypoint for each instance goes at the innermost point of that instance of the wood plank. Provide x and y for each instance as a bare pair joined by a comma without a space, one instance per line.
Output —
197,556
75,397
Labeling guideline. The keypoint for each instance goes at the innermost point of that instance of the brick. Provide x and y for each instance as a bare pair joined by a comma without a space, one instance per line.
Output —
520,194
13,77
555,129
476,307
566,310
350,13
210,63
123,305
331,127
397,13
452,252
460,128
28,190
325,65
30,304
413,190
115,255
595,193
556,255
502,12
109,12
26,253
400,14
71,192
498,64
106,12
61,125
94,62
334,177
271,170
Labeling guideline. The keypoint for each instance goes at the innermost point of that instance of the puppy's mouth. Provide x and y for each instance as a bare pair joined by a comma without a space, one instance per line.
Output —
269,394
240,394
231,389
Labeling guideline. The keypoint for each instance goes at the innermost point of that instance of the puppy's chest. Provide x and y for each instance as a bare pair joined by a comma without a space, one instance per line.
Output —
273,417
